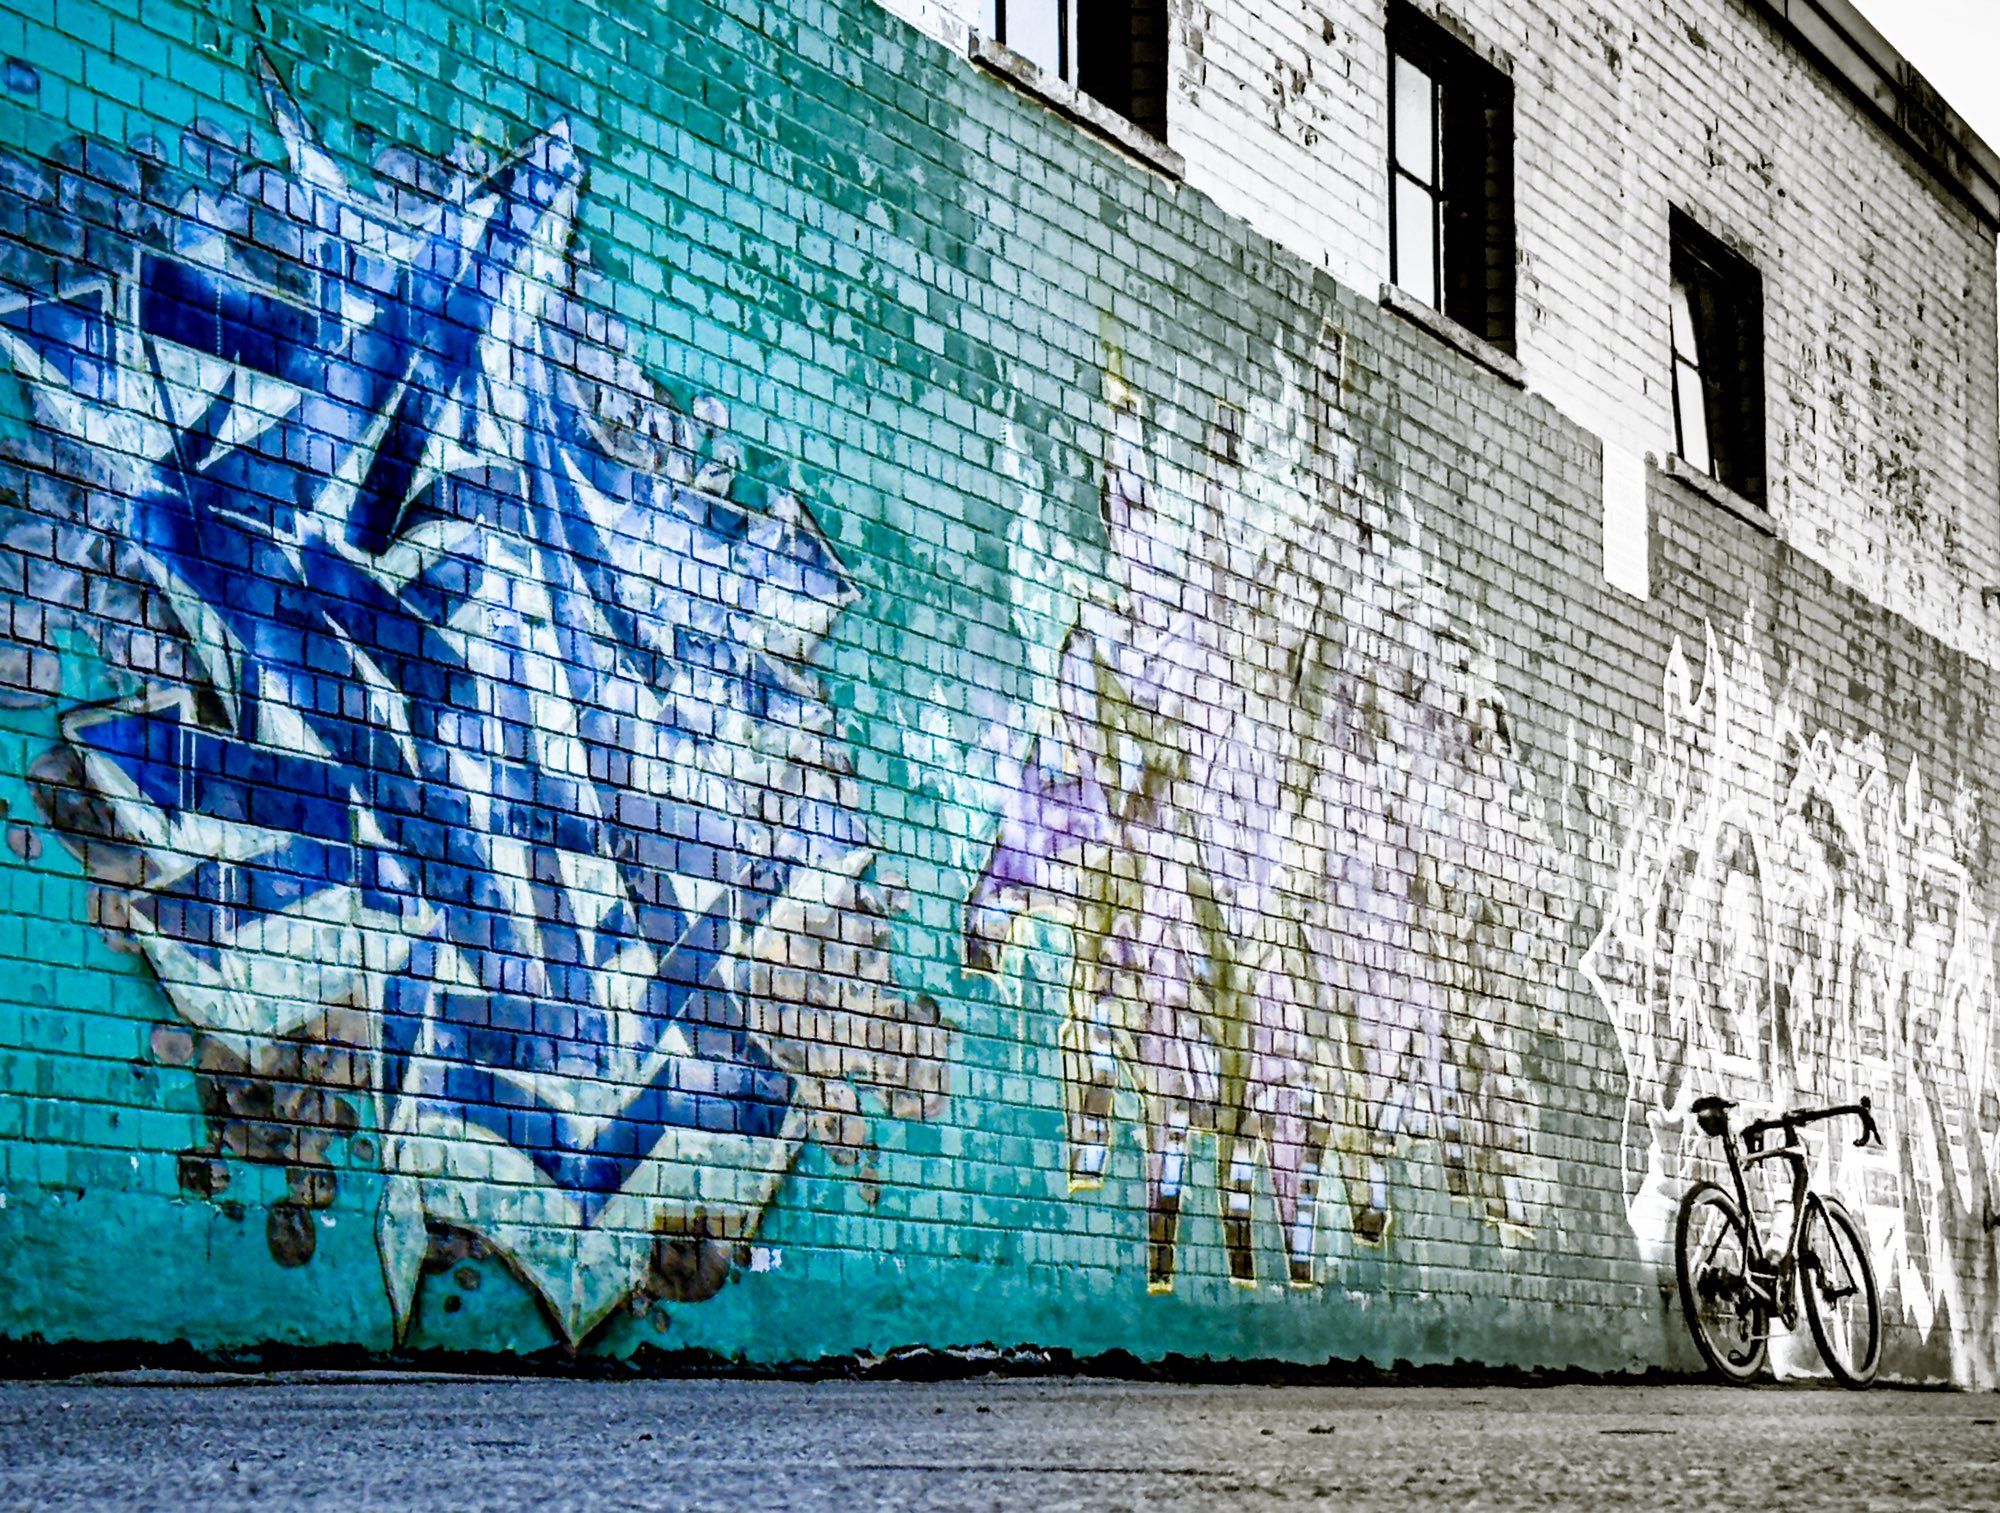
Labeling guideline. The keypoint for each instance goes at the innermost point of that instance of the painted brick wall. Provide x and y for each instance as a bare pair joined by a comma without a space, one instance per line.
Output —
1885,468
694,679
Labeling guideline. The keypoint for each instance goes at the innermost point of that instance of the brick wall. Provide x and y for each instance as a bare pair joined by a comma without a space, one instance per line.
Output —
1885,469
700,680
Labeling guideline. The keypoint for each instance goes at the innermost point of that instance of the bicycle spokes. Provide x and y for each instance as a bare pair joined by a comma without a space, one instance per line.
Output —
1839,1287
1725,1308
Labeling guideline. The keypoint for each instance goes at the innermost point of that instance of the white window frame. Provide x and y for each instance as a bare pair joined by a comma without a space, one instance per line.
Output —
1692,442
1062,13
1416,173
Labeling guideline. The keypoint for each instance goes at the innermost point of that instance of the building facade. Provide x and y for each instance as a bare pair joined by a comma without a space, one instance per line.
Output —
794,679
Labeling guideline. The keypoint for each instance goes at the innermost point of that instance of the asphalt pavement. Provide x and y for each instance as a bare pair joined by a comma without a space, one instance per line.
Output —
380,1440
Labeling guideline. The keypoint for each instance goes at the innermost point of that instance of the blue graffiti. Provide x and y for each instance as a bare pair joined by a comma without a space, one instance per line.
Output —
487,726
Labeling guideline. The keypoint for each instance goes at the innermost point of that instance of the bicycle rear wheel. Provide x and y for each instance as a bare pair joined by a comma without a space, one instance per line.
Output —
1839,1286
1729,1321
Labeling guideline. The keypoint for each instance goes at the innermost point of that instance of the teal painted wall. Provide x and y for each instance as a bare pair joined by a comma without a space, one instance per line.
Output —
687,677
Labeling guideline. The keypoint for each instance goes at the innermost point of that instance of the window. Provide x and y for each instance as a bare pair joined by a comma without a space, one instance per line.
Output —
1451,177
1716,321
1115,51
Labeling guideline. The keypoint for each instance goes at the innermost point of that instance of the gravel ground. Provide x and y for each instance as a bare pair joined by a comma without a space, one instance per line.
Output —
378,1440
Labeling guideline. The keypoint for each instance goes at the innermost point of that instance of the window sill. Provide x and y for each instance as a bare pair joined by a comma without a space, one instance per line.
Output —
1720,495
1066,99
1503,365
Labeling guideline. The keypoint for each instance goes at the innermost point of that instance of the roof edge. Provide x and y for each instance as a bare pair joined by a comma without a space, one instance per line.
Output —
1840,39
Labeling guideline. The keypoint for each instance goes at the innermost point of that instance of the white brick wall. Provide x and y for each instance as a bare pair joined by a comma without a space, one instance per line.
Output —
1879,284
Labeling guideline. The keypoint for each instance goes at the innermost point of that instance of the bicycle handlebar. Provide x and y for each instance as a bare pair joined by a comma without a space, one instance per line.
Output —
1753,1134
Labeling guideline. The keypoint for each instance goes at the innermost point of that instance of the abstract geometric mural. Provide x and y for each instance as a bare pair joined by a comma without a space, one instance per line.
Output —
466,786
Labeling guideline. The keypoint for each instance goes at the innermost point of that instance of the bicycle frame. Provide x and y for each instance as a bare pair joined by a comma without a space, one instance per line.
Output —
1770,1282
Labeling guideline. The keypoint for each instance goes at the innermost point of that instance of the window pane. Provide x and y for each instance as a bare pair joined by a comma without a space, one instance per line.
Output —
1685,346
1416,121
1691,413
1034,30
1416,241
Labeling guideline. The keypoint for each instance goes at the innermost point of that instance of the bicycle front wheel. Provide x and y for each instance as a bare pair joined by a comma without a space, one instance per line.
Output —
1728,1319
1839,1286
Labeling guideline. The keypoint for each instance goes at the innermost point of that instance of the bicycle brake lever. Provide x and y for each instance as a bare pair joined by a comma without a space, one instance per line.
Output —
1870,1135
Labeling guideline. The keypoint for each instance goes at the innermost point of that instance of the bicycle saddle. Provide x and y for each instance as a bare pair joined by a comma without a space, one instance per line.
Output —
1712,1114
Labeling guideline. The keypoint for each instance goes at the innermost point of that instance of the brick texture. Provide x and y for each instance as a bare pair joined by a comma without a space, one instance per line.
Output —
697,678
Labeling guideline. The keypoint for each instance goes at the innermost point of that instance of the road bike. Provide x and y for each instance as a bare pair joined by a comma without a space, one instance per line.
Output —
1732,1287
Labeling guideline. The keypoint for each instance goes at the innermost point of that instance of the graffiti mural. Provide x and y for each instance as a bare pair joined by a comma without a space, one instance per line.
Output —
462,778
1794,920
1314,900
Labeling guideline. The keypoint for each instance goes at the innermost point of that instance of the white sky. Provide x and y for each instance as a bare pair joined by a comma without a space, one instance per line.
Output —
1956,45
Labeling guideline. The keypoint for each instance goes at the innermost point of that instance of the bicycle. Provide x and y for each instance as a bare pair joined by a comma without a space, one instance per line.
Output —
1731,1288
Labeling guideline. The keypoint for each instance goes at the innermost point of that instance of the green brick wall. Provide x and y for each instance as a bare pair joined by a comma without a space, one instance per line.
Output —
690,678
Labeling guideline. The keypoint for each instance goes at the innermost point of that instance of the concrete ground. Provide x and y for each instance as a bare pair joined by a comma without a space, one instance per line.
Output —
386,1441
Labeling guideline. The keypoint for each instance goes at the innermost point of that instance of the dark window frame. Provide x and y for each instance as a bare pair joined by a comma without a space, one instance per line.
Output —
1117,55
1726,305
1473,188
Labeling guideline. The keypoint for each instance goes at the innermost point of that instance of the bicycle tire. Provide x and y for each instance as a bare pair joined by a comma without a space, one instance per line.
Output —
1834,1267
1710,1292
